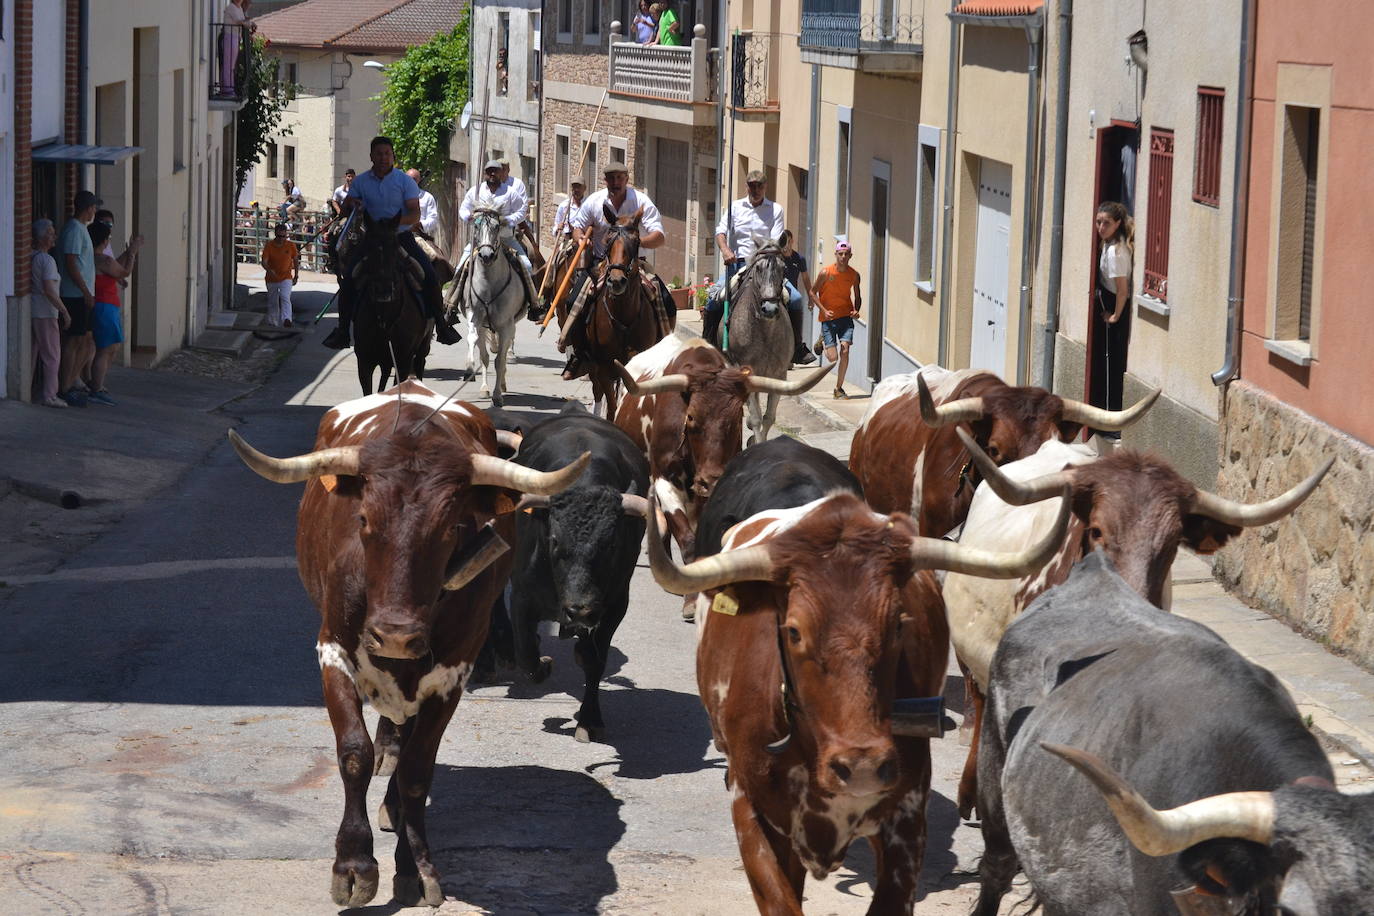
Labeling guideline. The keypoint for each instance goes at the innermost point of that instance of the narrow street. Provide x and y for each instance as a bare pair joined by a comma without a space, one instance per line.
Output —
165,748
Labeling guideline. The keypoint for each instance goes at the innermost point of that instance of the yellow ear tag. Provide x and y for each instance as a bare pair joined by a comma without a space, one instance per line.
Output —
329,482
725,603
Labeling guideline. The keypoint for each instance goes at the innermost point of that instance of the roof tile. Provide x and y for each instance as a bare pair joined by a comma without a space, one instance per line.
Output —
999,7
360,25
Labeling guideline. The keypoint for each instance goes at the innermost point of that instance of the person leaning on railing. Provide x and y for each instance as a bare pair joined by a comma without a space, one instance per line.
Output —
669,28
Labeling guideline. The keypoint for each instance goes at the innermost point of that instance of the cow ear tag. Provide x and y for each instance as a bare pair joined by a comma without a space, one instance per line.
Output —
329,481
725,603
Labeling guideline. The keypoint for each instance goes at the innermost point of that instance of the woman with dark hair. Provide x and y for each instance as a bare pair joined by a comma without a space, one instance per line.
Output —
646,29
1112,315
107,324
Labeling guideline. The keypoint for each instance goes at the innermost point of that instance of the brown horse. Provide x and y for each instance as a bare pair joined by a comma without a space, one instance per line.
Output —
390,328
618,319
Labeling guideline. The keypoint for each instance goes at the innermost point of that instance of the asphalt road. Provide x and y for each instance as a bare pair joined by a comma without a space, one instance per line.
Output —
165,749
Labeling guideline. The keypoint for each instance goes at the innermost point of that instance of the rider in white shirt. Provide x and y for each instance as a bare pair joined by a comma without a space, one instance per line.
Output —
523,232
429,210
562,219
341,192
751,215
494,193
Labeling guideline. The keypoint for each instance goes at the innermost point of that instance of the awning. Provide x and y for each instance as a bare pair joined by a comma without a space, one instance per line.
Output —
85,155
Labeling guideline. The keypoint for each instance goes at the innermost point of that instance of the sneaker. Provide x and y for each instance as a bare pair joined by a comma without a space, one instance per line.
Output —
840,395
73,398
803,356
54,402
338,340
286,323
101,397
444,333
820,345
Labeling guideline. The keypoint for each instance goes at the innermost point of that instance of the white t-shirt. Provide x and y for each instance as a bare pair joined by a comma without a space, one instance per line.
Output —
340,193
590,214
429,213
43,271
1113,262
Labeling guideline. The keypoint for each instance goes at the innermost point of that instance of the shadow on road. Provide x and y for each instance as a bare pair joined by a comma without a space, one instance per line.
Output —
654,733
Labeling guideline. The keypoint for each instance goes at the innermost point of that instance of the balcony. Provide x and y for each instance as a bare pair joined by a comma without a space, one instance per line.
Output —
666,83
869,35
233,51
754,76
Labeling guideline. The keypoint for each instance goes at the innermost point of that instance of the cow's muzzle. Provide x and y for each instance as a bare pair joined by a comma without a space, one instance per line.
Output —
396,640
583,615
867,770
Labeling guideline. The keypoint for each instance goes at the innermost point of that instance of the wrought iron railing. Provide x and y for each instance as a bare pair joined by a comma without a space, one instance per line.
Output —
233,51
753,71
253,227
870,26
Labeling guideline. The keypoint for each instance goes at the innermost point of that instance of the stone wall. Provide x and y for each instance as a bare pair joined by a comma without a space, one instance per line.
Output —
579,117
1315,568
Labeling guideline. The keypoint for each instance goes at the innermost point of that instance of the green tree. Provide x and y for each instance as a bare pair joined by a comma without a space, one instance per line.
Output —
424,93
266,98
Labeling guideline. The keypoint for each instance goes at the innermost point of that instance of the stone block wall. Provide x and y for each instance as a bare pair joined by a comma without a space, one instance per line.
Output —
1315,568
579,117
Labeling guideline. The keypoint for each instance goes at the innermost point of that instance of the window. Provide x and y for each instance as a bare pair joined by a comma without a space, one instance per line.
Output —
560,159
927,165
288,166
565,18
1298,206
592,30
502,53
1207,166
527,170
1159,214
178,120
618,146
589,168
533,62
271,157
842,174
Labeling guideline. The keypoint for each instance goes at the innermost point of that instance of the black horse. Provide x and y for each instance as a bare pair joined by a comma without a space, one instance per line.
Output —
391,330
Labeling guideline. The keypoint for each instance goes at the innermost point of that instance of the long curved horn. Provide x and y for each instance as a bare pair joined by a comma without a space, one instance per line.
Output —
1014,492
510,440
934,553
783,386
341,460
748,563
1110,420
641,506
663,385
960,411
1249,516
498,472
1244,815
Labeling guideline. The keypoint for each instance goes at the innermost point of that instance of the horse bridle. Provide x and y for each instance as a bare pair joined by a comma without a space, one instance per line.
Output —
612,234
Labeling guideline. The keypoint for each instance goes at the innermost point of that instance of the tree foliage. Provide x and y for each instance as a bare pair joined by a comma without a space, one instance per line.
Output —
424,93
266,99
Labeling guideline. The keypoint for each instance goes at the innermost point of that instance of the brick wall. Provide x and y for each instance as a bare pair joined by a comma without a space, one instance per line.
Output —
23,130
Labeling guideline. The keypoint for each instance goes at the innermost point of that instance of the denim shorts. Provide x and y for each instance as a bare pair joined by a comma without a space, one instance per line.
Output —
107,327
836,330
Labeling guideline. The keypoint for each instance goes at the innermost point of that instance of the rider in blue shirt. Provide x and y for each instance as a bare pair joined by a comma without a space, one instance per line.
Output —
385,191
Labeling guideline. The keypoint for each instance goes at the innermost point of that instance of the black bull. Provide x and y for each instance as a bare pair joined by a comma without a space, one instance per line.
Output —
576,552
1186,721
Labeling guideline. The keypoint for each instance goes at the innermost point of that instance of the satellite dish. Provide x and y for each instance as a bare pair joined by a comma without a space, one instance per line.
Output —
466,116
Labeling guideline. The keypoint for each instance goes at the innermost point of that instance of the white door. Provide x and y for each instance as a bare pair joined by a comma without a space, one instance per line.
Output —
988,348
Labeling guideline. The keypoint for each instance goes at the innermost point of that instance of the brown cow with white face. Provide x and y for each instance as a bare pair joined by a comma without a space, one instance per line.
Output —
836,604
401,542
908,459
1132,506
684,406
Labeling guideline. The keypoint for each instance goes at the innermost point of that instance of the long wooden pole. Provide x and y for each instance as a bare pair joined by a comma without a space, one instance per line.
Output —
563,287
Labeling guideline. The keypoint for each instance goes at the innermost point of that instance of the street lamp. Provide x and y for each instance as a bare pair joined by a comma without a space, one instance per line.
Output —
375,65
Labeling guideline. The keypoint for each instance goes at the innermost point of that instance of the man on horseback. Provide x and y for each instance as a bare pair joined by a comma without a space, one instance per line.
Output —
506,198
563,246
386,192
590,221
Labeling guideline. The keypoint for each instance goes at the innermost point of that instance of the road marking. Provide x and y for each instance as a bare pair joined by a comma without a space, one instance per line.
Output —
162,570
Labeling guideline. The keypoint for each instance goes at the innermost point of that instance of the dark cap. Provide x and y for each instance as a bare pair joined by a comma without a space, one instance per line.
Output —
85,200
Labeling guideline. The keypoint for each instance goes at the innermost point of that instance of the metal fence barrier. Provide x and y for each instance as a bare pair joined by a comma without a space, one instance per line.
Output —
253,228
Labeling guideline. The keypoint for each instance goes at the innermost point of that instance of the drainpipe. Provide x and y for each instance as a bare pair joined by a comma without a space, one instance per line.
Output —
1033,34
723,22
813,165
1239,194
83,104
951,133
1061,152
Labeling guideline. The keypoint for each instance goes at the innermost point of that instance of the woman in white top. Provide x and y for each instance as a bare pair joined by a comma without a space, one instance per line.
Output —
1116,230
235,13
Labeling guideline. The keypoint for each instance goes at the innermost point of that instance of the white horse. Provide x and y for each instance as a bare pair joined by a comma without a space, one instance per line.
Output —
494,300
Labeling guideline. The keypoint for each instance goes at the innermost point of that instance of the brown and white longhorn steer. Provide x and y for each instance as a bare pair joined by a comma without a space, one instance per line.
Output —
830,615
684,406
401,543
908,459
1132,506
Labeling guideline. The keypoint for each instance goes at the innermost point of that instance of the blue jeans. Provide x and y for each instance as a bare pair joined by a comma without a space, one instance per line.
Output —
714,306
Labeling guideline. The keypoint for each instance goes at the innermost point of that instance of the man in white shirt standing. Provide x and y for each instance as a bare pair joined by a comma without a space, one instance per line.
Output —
341,192
752,215
429,210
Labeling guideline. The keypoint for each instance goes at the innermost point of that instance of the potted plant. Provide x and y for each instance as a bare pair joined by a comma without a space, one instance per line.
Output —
682,295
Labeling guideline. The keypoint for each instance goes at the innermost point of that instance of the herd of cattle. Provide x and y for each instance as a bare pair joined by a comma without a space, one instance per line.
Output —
826,599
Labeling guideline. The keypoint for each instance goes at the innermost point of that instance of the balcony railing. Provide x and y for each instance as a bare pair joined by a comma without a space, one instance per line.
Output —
862,26
753,72
232,54
679,73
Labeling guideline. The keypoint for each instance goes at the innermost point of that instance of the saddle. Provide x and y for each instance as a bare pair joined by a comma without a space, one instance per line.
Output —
578,313
457,291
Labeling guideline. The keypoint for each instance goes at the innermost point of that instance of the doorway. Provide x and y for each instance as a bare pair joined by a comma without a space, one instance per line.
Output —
877,268
1117,147
670,195
991,268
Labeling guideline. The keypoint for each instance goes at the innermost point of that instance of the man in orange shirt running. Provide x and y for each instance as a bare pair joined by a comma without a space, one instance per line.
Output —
281,259
836,294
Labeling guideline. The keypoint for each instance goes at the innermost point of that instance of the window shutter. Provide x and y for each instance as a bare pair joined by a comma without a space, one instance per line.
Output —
1160,214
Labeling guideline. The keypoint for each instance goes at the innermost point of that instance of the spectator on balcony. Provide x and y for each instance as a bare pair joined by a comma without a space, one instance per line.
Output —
235,14
49,312
669,29
502,71
645,28
752,215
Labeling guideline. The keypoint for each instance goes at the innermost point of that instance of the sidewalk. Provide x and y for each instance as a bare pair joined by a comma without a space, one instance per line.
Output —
1335,693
